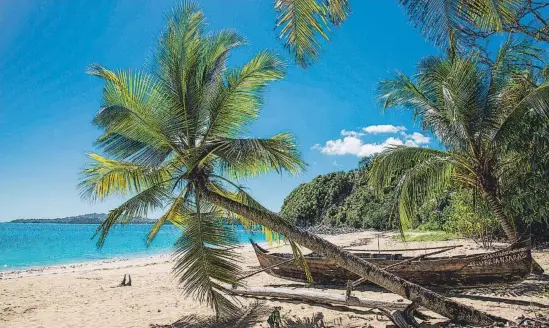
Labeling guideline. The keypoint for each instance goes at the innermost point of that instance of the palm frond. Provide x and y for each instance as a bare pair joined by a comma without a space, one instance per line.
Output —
252,157
338,11
420,183
248,316
179,57
203,260
303,23
438,20
134,116
536,102
241,99
137,206
105,177
388,166
489,15
418,172
173,215
299,260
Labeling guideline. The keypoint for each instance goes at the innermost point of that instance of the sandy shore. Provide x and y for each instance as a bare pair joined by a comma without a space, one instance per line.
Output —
85,295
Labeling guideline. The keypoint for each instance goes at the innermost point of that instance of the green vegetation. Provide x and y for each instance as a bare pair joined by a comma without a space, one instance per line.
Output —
305,24
427,236
475,109
92,218
338,199
173,141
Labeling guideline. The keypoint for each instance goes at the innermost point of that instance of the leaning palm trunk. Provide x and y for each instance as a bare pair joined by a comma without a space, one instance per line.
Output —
353,263
497,208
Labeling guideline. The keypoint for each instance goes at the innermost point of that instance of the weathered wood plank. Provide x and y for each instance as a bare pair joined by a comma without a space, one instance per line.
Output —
314,296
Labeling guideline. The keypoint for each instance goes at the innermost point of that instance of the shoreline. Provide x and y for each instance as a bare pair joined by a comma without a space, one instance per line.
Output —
138,260
88,294
83,266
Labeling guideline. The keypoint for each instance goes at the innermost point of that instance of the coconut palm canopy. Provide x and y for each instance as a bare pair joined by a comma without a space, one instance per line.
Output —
474,109
181,128
304,24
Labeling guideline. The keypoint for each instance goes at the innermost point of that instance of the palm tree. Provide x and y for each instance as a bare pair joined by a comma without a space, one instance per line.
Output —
173,141
304,24
474,111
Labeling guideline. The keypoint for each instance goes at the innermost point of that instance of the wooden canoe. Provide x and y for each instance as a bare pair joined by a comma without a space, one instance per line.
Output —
508,265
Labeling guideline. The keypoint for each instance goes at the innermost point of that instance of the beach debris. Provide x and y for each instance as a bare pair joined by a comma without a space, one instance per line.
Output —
274,320
248,316
313,297
125,283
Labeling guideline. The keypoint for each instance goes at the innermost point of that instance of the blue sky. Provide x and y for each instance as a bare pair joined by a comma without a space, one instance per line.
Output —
47,101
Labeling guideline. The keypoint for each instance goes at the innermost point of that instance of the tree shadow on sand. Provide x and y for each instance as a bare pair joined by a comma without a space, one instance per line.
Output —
533,285
316,321
250,315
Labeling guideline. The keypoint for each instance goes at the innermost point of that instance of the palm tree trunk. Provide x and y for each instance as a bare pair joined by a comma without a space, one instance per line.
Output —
422,296
504,221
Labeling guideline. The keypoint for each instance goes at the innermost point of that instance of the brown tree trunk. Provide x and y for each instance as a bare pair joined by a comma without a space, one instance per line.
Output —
422,296
504,221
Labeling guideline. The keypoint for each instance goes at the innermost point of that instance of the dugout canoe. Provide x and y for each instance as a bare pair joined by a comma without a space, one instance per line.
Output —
503,266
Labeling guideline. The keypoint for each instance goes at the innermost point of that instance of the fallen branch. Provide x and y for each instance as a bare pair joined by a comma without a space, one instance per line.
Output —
317,297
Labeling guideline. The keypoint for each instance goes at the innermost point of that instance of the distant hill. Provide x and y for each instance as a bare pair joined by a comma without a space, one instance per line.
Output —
339,199
92,218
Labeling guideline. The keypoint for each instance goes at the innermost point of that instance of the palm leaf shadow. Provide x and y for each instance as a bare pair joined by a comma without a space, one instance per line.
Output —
250,315
316,321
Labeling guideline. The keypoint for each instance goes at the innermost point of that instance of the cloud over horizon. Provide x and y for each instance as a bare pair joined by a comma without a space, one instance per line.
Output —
353,144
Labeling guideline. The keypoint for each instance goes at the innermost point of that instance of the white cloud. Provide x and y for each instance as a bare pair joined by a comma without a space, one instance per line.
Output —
355,146
383,128
419,138
352,144
351,133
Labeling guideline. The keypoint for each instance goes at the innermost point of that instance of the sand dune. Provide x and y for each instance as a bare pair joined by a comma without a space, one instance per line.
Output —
85,295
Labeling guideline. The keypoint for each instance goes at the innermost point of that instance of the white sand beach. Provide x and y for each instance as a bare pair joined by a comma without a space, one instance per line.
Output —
85,295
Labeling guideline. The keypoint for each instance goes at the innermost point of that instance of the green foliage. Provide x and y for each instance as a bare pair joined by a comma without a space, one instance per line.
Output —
175,136
339,199
475,109
304,23
468,215
428,236
460,213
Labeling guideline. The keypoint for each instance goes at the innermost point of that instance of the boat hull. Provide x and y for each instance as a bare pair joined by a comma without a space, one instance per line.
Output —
489,268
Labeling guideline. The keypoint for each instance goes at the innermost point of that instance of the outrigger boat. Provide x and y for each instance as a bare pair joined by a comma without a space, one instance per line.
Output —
503,266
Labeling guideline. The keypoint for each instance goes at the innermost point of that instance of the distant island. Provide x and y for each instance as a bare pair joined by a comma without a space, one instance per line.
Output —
92,218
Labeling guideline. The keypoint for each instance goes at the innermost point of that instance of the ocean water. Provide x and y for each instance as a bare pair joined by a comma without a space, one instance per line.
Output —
24,245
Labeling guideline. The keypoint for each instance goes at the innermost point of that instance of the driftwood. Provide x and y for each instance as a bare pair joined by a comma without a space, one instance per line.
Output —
317,297
125,283
402,314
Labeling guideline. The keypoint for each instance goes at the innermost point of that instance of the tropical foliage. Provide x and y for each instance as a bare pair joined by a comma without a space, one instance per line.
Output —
305,24
475,110
176,134
339,199
175,139
472,21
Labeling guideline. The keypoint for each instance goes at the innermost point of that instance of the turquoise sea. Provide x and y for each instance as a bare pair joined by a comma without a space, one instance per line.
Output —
24,245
